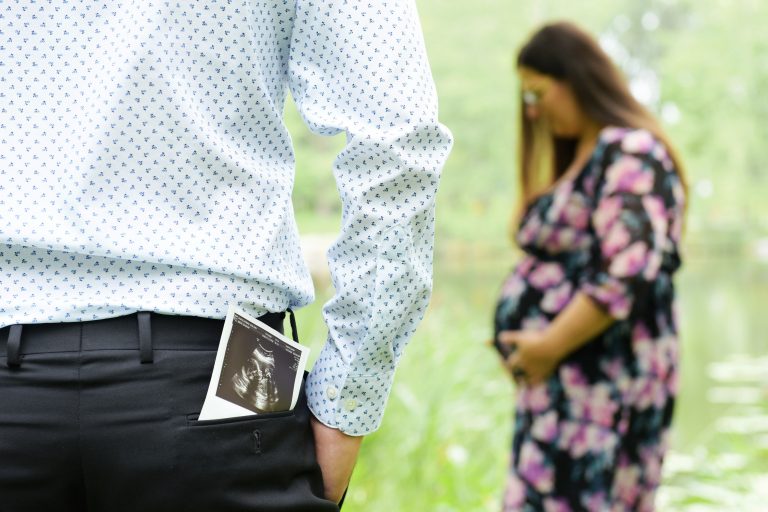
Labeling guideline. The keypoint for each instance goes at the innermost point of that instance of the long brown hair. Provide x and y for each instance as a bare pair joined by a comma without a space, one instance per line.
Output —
566,53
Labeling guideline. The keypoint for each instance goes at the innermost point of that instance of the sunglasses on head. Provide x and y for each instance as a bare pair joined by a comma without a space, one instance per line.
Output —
532,98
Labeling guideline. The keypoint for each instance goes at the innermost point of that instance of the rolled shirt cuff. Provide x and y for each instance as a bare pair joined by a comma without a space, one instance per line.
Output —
339,399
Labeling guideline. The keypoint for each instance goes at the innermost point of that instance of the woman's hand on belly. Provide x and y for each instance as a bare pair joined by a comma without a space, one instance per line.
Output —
534,356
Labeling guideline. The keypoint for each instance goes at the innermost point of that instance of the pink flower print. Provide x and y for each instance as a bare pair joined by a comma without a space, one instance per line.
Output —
574,383
534,323
679,194
533,398
588,441
673,382
514,286
660,394
555,299
613,369
593,403
652,464
582,241
667,354
640,331
560,198
572,379
521,404
534,469
657,214
627,175
594,502
589,184
623,426
601,439
615,240
544,233
654,357
608,210
640,394
612,295
560,238
658,364
643,348
653,265
649,391
556,505
667,164
546,275
538,399
676,232
529,230
576,212
544,427
568,430
580,438
574,436
612,134
626,484
630,261
601,407
638,141
525,266
660,154
552,243
514,495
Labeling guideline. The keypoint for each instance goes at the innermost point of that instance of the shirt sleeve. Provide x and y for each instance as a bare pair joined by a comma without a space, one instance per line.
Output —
361,68
631,223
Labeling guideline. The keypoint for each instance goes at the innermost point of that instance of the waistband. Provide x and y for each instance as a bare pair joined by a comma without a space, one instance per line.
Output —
168,332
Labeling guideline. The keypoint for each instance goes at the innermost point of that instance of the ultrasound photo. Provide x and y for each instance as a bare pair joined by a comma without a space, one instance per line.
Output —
257,370
249,376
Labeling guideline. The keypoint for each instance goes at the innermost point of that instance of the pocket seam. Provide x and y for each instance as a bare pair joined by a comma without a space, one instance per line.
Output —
192,420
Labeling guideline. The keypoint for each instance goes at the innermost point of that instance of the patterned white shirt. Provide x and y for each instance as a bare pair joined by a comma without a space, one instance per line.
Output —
144,165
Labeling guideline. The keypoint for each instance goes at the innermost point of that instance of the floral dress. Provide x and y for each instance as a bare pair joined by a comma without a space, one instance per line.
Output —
592,437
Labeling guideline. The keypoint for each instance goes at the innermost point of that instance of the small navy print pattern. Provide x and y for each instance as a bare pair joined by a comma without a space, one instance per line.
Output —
144,165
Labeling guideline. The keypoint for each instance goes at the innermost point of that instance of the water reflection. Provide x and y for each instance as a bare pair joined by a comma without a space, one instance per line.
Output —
720,455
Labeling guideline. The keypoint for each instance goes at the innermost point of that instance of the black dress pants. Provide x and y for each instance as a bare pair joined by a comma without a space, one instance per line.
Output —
102,417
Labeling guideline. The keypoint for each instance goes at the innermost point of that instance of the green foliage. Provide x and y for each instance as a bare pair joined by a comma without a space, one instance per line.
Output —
444,442
710,61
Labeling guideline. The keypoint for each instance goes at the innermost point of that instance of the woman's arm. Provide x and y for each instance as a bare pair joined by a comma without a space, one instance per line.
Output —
537,353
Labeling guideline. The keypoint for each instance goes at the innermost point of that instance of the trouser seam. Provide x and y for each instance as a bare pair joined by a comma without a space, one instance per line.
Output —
77,414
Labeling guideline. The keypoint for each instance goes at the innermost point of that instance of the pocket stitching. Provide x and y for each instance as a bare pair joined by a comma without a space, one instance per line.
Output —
192,420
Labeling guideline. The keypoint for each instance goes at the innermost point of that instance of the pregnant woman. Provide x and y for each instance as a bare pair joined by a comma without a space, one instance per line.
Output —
586,321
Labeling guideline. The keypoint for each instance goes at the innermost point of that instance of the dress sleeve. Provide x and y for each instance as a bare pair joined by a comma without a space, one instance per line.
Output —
630,221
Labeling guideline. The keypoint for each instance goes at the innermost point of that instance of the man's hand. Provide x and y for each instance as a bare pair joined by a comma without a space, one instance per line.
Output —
336,454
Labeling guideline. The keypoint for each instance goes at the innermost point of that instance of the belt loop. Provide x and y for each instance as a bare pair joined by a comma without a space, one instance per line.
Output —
145,337
294,330
13,348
